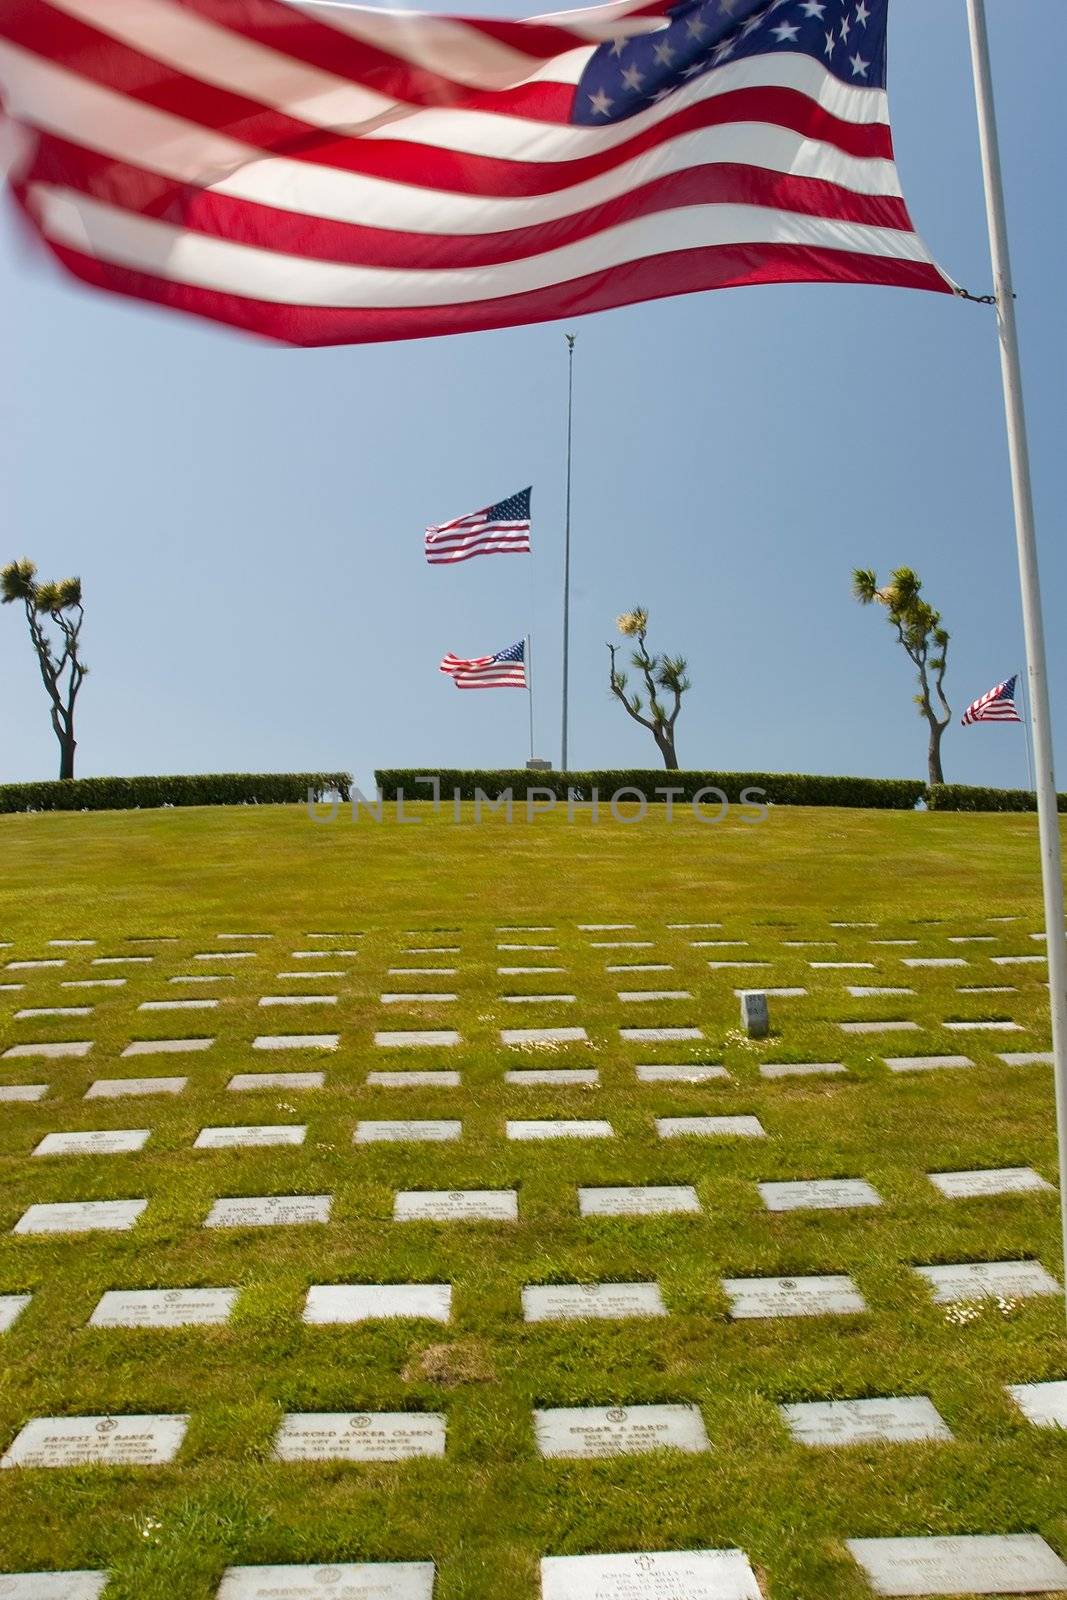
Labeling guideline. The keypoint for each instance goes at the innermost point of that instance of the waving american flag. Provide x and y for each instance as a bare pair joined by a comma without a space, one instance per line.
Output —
996,705
323,173
505,670
500,529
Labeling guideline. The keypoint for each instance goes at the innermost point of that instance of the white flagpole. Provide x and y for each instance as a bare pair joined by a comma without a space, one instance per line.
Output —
570,337
1026,734
1048,819
529,690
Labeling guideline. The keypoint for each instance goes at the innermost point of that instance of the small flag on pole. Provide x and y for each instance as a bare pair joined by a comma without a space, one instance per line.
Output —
998,705
495,530
505,670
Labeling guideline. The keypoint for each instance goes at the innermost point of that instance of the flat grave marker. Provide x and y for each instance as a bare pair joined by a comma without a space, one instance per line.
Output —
167,1047
639,966
755,1016
525,972
1044,1403
588,1433
253,1137
121,1441
975,1564
359,1436
361,1580
821,1296
1027,1058
639,996
564,1302
538,999
1018,961
982,1280
842,966
559,1128
935,961
242,1081
163,1308
925,1063
54,1051
201,1004
81,1216
530,1077
406,1132
819,1194
296,1041
317,972
73,944
894,1419
894,1026
697,1072
417,1039
268,1210
710,1128
456,1205
83,1585
659,1575
31,966
31,1013
373,1302
659,1035
861,991
119,961
104,1142
801,1069
297,1000
983,1026
773,994
646,1201
414,1080
121,1088
11,1308
988,1181
521,1036
23,1091
428,972
416,999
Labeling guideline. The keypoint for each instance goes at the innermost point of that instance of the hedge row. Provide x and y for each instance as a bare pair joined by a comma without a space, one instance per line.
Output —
965,797
198,789
779,788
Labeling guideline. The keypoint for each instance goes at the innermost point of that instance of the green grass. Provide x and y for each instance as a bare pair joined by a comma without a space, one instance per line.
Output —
492,1508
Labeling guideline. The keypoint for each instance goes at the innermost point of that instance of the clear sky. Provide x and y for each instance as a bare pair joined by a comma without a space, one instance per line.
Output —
248,520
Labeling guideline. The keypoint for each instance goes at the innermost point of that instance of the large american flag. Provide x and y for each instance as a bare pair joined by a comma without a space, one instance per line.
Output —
505,670
997,705
495,530
326,174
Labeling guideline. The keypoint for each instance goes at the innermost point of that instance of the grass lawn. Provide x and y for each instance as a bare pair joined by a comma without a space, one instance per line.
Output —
491,1507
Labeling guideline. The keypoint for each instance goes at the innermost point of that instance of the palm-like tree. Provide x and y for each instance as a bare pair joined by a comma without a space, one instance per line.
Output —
924,639
62,669
660,673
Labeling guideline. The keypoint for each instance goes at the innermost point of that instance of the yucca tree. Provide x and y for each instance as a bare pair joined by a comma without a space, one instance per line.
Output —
62,669
661,674
919,631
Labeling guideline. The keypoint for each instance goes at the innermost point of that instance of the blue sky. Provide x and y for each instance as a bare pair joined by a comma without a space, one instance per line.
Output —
247,520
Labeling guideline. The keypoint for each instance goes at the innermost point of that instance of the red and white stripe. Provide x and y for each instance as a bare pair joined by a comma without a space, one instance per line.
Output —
323,174
484,672
993,706
474,536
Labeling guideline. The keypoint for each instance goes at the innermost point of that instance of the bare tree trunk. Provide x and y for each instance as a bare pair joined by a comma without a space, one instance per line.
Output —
935,772
67,746
666,750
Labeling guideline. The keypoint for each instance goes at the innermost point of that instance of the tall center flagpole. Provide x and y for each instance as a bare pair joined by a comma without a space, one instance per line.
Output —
570,337
1033,625
529,690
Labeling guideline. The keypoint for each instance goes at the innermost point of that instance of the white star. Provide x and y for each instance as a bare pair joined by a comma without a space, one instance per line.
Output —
695,28
618,47
814,8
753,23
830,43
723,50
785,32
693,69
632,78
862,13
600,103
663,53
845,27
859,66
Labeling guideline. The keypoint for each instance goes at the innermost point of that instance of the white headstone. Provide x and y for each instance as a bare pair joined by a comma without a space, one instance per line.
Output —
710,1128
298,1000
935,961
819,1194
696,1073
866,991
842,966
105,1142
559,1128
51,1052
586,1433
276,1080
990,1180
30,1013
659,1035
121,1088
662,1575
1044,1403
978,1280
425,972
793,1297
558,1302
801,1069
372,1302
962,1564
52,1585
983,1026
416,999
1027,1058
525,972
637,996
521,1036
456,1205
532,1076
254,1136
414,1080
268,1210
538,999
640,966
11,1308
81,1216
406,1132
296,1041
893,1420
167,1047
651,1201
925,1063
163,1308
755,1017
23,1091
417,1038
359,1436
363,1580
178,1005
115,1441
879,1027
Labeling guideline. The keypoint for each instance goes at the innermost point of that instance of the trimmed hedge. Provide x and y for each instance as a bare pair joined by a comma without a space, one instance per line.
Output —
968,797
198,789
780,788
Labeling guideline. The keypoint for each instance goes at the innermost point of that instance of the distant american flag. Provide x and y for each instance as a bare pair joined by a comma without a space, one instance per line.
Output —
505,670
327,174
495,530
998,705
